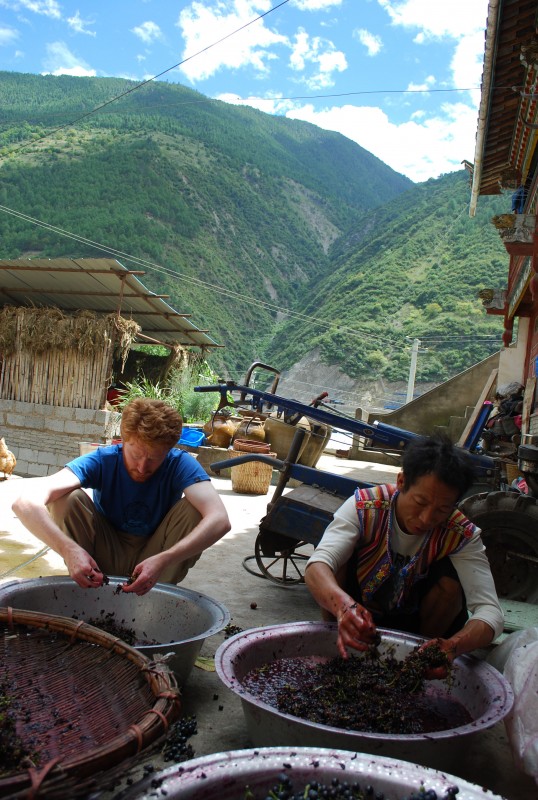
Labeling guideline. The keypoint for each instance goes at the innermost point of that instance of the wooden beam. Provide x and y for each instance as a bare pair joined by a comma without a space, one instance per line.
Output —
479,403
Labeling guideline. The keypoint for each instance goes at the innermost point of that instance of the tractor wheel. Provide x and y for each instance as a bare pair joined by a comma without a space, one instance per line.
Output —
285,562
509,524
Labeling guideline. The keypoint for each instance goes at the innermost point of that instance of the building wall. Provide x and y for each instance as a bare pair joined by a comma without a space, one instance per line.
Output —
512,359
43,438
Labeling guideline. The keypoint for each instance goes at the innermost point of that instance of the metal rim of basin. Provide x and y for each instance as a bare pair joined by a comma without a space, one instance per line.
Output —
233,648
166,589
227,771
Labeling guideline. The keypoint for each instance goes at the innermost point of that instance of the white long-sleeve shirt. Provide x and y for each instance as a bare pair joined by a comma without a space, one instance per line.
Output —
471,563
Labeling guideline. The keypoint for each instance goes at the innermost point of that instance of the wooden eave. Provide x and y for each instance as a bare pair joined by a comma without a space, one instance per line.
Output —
505,138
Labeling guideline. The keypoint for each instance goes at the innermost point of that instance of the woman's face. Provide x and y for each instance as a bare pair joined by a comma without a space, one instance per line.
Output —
423,505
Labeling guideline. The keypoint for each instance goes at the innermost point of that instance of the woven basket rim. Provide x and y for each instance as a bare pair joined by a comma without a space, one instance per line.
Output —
153,724
251,446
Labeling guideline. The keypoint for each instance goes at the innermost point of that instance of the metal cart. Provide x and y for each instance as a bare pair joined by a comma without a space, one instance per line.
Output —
296,519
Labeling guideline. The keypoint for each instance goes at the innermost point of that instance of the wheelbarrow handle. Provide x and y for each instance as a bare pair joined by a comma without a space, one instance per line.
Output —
276,463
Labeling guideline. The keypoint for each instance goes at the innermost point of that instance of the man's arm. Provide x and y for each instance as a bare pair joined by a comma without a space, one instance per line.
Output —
30,507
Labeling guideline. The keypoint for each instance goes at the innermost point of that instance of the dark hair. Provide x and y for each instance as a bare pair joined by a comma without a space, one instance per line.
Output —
438,456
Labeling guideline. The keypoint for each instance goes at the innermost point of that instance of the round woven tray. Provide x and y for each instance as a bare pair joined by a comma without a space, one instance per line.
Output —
84,701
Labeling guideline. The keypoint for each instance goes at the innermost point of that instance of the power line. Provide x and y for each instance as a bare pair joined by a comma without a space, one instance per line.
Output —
362,334
149,80
198,100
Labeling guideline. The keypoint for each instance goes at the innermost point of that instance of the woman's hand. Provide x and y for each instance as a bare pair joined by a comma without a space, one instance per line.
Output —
448,649
356,629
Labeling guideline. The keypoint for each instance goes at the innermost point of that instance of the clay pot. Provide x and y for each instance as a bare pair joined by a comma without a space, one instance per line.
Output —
219,430
251,428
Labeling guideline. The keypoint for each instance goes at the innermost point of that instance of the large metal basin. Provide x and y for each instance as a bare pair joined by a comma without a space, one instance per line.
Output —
223,776
482,690
178,619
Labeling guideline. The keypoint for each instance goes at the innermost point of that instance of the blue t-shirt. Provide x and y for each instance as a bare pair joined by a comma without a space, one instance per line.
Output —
136,508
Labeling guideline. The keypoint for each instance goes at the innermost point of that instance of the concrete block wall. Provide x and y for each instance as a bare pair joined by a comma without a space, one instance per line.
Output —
43,438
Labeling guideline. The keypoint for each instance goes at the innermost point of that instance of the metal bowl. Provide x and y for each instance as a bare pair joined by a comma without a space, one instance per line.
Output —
482,691
178,620
223,776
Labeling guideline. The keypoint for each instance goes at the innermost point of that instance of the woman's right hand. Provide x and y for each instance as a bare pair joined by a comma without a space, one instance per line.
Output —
356,628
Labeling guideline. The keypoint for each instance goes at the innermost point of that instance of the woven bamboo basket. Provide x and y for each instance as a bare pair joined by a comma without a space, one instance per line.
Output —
254,477
512,471
84,704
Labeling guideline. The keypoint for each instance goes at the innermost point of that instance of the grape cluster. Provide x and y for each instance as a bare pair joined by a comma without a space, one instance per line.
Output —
176,747
231,630
284,789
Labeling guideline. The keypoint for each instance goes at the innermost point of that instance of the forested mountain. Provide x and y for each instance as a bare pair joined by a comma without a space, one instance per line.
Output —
411,269
243,217
239,207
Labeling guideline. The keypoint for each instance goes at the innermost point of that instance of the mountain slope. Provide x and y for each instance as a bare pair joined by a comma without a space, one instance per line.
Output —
410,269
233,209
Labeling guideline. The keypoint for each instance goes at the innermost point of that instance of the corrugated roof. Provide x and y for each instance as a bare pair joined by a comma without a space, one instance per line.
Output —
101,285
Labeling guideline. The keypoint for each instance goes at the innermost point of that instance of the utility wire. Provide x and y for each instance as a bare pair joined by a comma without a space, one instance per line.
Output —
158,268
362,334
154,78
198,100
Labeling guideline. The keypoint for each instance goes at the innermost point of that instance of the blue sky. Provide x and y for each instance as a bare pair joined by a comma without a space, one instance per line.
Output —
399,77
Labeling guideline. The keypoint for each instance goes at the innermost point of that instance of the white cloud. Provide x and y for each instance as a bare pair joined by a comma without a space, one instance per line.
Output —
467,62
149,32
371,41
7,35
455,19
61,61
270,105
320,53
202,25
428,145
422,87
315,5
461,21
48,8
79,25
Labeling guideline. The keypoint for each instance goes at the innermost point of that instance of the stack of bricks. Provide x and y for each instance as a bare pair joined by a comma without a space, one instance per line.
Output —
43,438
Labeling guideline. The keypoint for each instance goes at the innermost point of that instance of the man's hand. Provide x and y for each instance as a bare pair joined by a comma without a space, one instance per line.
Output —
145,576
83,568
356,628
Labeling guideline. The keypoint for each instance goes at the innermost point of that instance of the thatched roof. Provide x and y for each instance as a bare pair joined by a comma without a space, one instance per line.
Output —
102,286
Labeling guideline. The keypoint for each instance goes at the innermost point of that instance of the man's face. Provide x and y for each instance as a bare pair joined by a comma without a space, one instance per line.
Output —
142,460
426,503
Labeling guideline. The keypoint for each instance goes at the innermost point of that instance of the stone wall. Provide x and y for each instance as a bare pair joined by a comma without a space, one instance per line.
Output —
43,438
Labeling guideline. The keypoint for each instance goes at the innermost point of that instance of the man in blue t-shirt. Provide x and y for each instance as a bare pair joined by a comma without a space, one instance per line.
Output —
152,513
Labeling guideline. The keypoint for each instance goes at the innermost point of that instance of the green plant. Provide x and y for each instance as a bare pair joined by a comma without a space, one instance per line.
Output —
144,388
178,391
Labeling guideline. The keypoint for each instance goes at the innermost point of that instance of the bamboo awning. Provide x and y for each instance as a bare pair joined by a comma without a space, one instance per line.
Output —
102,286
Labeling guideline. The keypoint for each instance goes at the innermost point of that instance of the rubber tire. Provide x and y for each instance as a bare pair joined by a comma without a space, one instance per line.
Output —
509,524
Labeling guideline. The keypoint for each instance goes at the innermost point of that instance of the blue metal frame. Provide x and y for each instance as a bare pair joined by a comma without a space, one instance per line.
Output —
379,433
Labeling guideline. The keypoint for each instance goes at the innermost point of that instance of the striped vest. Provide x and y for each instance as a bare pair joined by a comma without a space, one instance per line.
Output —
375,507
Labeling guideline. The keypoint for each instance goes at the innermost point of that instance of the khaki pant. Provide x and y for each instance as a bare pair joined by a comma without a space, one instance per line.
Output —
116,552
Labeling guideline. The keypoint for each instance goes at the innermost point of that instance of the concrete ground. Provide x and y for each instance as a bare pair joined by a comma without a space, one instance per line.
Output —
252,601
